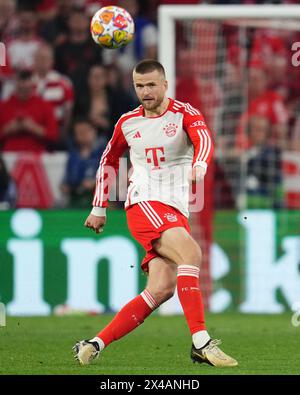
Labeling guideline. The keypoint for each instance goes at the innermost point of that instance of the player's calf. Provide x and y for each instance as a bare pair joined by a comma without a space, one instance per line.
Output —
163,294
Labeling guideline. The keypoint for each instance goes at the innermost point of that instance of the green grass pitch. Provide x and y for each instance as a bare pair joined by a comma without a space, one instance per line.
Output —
263,344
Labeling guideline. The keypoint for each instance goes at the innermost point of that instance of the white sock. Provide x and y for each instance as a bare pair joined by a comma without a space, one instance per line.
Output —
99,341
200,338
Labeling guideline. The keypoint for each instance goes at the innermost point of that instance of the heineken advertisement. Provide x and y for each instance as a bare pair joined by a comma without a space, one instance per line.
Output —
50,263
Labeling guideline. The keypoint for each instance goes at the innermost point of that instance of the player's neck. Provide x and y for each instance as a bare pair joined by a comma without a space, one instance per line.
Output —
158,110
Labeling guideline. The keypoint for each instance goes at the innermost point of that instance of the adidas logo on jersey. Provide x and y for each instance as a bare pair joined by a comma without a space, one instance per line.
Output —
137,135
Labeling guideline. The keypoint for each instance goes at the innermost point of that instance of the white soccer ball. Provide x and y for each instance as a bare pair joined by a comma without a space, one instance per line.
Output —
112,27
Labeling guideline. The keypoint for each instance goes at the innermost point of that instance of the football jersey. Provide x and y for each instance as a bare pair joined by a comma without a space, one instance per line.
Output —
56,89
162,149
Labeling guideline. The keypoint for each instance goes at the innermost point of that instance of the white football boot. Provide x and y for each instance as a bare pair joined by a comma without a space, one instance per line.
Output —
86,351
212,355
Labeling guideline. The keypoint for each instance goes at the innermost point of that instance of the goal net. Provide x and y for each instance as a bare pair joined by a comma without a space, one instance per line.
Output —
239,65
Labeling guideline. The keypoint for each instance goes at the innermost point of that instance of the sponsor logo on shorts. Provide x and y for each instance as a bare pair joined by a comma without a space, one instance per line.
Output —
170,129
171,217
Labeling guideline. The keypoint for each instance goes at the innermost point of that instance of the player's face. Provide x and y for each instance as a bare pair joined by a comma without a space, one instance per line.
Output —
150,89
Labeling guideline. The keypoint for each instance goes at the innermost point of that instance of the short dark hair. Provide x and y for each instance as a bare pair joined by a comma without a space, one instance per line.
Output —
149,65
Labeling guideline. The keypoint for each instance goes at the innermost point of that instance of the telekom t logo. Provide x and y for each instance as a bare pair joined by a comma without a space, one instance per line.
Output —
153,156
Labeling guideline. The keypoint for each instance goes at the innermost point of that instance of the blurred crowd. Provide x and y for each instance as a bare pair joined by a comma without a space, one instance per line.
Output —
61,92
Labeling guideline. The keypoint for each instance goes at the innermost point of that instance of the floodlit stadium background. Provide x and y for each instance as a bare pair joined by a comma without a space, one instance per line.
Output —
243,73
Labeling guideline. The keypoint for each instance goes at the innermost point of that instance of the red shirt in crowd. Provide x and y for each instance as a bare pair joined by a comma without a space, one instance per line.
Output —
39,111
58,90
269,105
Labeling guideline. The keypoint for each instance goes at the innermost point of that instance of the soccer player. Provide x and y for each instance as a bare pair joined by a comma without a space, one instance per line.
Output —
164,136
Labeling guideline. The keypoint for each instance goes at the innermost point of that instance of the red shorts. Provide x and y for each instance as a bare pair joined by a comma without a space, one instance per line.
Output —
147,220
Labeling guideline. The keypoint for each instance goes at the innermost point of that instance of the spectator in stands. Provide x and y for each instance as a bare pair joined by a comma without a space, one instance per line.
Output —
9,22
116,81
266,103
102,104
76,56
79,180
46,10
272,48
55,29
27,122
263,166
54,88
187,84
8,190
294,144
95,104
22,49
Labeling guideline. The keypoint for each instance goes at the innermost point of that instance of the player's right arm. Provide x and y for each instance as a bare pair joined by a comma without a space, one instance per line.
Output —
106,175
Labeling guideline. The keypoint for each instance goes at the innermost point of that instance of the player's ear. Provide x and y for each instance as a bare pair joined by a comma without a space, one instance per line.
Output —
166,85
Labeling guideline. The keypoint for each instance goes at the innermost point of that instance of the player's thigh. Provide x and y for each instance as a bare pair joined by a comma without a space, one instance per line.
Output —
179,246
162,278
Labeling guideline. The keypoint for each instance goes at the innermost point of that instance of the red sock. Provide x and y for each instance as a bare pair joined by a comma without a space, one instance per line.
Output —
189,294
129,317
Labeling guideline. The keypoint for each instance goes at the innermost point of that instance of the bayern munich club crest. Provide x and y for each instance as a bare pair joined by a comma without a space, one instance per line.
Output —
171,217
170,129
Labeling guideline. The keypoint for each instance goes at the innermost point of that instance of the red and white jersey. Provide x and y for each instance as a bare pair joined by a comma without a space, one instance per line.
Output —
163,150
57,89
21,52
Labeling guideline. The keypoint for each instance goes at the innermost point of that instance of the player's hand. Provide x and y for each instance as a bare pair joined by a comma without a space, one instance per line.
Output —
95,223
198,173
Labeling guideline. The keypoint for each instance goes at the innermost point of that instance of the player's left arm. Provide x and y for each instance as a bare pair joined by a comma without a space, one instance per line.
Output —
201,138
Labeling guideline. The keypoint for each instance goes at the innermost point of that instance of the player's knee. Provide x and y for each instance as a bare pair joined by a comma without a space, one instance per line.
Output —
168,293
192,256
163,294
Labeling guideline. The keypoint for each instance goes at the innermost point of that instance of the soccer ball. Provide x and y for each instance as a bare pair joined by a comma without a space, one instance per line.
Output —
112,27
